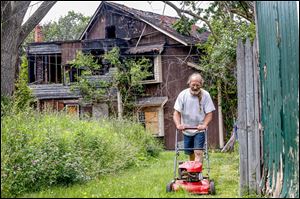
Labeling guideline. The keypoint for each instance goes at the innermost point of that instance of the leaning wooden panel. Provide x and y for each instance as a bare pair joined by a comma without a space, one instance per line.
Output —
250,117
241,122
256,115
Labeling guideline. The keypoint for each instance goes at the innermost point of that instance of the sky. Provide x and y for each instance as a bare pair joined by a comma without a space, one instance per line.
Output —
88,8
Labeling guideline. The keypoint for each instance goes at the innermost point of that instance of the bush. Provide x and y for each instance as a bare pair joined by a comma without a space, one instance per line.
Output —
41,150
22,97
6,105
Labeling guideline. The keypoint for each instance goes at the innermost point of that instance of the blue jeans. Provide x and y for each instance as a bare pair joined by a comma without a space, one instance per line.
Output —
196,141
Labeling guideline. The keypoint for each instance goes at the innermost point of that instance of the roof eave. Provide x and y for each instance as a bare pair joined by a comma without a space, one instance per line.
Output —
91,20
163,31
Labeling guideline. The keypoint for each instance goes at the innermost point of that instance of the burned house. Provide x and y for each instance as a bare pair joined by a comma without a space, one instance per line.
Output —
137,33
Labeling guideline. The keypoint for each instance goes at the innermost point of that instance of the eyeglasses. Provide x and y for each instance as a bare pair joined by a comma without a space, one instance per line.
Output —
195,85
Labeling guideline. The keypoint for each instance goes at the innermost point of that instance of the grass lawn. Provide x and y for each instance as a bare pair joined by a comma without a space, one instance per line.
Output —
150,181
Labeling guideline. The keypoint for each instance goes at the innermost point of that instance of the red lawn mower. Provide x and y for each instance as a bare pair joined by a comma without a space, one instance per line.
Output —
190,177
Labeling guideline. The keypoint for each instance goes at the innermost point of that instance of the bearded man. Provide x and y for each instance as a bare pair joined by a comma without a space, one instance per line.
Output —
193,108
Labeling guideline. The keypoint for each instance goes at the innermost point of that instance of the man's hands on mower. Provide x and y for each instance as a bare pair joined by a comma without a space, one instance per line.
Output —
201,127
180,127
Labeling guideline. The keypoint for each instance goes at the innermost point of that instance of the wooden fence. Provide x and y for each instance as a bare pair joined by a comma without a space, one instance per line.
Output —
248,118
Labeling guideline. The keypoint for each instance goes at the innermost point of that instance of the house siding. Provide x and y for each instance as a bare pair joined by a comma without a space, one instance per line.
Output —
69,51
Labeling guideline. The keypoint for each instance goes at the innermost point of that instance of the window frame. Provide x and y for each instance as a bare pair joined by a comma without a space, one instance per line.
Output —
157,64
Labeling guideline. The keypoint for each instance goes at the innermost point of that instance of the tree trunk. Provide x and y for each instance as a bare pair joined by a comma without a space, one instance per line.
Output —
13,34
11,19
8,63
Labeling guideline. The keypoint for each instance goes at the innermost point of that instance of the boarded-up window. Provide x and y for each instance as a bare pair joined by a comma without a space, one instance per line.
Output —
48,105
72,109
152,119
151,122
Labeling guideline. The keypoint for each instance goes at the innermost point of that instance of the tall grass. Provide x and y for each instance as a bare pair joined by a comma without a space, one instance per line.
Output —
151,181
41,150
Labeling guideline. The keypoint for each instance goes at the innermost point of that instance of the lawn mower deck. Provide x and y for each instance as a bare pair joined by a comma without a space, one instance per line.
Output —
200,187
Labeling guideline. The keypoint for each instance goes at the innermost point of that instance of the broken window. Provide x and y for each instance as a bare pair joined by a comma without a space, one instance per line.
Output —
45,68
72,109
72,73
151,69
110,32
155,70
141,116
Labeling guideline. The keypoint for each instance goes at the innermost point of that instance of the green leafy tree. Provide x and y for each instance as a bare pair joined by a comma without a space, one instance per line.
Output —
22,96
68,27
130,73
127,79
91,90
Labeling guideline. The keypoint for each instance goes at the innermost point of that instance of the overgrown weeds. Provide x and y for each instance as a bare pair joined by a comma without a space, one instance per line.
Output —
39,150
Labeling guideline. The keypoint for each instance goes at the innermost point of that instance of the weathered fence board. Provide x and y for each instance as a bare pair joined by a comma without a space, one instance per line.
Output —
248,107
250,116
257,137
241,120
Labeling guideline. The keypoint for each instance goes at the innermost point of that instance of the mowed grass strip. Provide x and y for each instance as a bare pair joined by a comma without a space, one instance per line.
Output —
150,180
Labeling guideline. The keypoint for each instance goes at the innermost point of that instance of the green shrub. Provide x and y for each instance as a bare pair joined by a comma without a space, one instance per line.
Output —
41,150
22,97
6,105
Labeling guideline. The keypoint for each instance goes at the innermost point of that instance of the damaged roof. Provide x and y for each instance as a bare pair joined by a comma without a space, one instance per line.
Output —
60,91
151,101
160,22
53,91
155,48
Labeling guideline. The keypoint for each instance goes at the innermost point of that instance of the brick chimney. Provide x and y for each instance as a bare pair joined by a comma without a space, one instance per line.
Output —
38,36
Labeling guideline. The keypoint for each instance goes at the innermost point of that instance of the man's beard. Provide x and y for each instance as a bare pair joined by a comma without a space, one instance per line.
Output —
195,92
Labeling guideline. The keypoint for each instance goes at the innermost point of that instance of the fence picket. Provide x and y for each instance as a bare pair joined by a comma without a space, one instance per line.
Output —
241,122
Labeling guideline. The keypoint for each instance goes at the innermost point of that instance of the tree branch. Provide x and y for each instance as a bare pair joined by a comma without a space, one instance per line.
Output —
38,15
180,11
246,16
4,9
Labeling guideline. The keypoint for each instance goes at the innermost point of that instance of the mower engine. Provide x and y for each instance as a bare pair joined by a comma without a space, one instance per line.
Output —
191,179
190,171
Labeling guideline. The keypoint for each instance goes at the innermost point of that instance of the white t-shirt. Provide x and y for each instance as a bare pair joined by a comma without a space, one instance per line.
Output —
188,106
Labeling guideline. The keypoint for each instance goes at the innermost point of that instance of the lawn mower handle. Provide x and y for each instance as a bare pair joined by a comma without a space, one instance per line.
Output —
177,149
190,128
